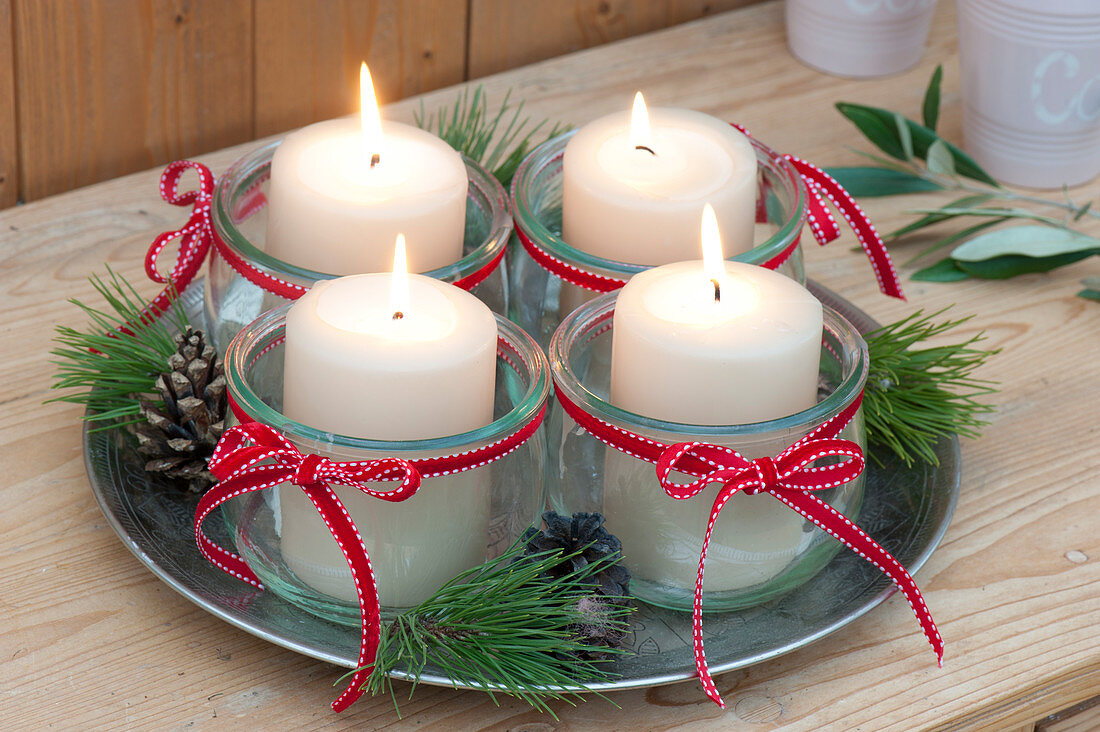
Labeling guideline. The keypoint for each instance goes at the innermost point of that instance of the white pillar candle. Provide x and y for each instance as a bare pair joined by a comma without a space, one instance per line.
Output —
633,185
352,369
720,343
342,190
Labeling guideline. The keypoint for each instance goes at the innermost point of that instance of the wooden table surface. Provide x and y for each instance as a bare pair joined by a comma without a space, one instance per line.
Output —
90,638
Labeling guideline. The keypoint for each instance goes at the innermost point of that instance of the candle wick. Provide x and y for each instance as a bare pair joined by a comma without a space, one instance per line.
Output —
647,149
717,291
398,315
375,159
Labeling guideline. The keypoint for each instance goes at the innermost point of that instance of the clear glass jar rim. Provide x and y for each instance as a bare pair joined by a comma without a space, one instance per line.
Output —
597,313
534,369
550,153
249,165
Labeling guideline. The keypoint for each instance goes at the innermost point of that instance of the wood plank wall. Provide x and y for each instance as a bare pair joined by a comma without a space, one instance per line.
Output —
9,141
94,89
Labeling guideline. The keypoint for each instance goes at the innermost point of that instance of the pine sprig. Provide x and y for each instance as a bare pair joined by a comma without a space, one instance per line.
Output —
468,127
504,625
109,368
915,395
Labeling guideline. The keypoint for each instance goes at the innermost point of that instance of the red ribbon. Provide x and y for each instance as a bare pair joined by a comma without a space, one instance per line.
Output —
198,237
236,465
252,456
790,477
195,236
823,186
820,187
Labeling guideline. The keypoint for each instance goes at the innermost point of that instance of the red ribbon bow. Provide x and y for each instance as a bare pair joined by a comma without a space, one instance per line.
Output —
820,188
251,457
791,477
198,238
791,470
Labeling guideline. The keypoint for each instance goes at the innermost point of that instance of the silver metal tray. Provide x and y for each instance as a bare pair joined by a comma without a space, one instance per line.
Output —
907,510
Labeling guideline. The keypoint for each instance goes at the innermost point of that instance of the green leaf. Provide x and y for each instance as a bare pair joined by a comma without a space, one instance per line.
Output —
939,159
867,181
930,109
935,216
1014,251
952,239
906,137
994,212
1029,241
1009,252
1011,265
878,126
1090,294
944,270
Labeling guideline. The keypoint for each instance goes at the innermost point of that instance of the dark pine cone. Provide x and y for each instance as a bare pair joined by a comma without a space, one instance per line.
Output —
584,533
179,435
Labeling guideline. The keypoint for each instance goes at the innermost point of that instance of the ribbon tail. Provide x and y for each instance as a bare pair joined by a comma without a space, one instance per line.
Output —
193,251
217,555
822,186
349,540
701,667
853,537
824,227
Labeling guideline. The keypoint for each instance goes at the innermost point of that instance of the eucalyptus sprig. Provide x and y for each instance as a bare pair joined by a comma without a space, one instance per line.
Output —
919,161
118,356
503,625
468,127
915,395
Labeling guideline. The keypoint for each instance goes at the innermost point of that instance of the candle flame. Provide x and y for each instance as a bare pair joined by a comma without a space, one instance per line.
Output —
713,262
399,283
372,123
639,125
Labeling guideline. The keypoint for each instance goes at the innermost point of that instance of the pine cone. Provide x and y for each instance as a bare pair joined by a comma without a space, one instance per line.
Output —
179,435
584,533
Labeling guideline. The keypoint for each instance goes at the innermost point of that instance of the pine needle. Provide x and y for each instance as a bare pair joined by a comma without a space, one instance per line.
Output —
502,625
106,367
468,127
914,396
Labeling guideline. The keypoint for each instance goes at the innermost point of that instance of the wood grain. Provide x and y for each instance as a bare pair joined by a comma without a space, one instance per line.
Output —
9,133
106,88
509,33
1084,717
92,639
308,55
